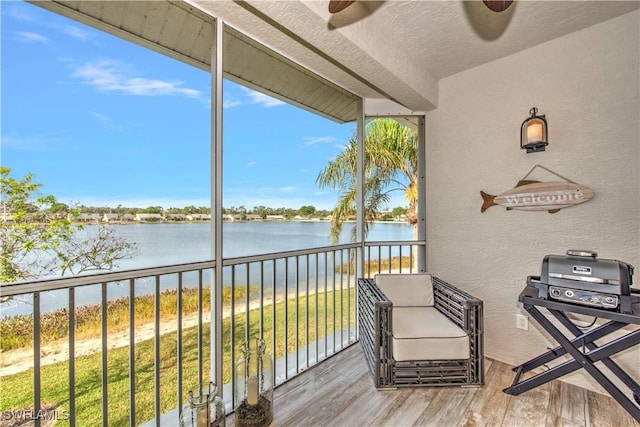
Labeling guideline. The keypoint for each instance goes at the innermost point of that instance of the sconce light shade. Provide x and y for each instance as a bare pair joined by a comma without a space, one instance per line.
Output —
533,133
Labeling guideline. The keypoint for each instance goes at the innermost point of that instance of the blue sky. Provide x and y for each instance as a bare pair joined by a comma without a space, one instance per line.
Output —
103,122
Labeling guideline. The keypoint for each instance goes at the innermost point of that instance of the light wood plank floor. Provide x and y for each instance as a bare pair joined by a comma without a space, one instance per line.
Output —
340,392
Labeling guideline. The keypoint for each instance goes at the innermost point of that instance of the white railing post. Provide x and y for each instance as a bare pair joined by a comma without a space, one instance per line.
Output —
216,203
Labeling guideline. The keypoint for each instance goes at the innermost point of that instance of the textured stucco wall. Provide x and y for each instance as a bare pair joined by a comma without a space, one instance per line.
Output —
587,84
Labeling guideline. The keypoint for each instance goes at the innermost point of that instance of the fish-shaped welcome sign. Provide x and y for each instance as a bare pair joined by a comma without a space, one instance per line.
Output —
538,196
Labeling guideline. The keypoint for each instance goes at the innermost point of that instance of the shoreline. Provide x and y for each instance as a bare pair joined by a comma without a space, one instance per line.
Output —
19,360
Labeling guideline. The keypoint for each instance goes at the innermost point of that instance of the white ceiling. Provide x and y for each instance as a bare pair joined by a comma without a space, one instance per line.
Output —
400,49
447,37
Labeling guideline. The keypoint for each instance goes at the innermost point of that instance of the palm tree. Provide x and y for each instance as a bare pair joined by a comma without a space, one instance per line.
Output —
390,164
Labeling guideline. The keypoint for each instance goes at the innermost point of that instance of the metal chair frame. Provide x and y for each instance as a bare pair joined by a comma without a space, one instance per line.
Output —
376,338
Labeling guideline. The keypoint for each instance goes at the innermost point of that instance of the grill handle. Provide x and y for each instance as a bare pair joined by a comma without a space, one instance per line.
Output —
580,253
533,280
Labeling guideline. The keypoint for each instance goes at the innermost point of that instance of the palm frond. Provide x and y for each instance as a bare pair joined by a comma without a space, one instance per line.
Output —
390,151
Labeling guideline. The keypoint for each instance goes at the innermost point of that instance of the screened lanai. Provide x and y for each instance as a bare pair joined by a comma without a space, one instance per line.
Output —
466,79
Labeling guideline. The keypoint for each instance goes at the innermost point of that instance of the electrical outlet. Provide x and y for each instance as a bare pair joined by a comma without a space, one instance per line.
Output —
522,322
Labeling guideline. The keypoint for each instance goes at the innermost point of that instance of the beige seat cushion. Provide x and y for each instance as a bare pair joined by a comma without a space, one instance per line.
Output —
408,290
423,333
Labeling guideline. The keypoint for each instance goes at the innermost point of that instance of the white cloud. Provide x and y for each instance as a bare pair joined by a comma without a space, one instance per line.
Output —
251,164
18,12
112,76
230,103
105,120
29,37
260,98
310,140
288,189
34,142
249,97
75,32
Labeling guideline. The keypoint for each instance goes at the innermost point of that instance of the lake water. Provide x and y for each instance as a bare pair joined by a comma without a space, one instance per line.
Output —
168,244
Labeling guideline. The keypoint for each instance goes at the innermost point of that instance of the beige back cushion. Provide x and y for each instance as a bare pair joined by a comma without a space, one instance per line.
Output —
407,290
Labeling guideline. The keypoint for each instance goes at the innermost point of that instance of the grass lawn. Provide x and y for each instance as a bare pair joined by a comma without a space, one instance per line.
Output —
17,390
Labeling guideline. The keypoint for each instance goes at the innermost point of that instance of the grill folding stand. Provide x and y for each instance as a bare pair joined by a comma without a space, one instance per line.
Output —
581,347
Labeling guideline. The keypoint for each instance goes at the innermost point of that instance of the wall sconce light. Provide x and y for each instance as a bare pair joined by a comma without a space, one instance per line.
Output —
533,133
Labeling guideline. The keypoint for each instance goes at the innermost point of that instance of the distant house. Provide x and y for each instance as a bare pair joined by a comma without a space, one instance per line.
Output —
110,217
88,218
149,217
176,217
127,218
199,217
275,218
254,217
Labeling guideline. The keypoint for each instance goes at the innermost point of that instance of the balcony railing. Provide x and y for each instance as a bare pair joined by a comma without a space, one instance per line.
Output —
155,335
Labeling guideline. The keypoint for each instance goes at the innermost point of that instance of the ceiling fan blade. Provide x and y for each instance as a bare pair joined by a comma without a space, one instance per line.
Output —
336,6
497,5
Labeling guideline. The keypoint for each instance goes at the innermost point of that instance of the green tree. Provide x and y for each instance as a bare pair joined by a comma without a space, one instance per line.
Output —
399,211
307,210
38,242
59,208
260,210
188,210
390,164
154,210
289,213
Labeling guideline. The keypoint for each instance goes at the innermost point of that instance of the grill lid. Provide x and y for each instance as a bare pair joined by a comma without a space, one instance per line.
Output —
582,269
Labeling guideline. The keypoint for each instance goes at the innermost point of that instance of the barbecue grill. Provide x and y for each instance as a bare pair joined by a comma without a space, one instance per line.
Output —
580,277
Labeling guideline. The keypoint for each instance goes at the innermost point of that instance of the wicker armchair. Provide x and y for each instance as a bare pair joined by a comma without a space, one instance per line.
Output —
430,336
